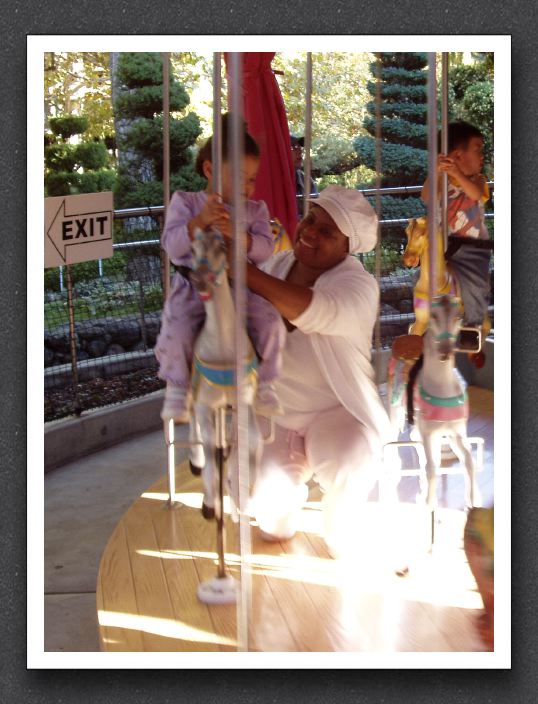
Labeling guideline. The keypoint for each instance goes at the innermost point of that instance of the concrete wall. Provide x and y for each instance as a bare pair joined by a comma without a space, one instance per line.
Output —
67,440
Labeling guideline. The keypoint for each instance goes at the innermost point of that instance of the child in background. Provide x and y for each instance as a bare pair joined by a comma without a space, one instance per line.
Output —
184,312
467,193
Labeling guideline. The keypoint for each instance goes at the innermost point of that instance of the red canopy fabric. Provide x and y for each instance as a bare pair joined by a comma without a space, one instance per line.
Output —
265,115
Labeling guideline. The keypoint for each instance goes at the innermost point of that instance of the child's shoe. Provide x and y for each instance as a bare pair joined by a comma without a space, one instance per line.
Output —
176,405
266,402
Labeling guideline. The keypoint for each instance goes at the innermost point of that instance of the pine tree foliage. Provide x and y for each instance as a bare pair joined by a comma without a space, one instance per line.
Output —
73,168
403,118
139,105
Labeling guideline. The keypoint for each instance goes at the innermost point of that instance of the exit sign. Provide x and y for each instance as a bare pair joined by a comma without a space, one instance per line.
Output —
78,228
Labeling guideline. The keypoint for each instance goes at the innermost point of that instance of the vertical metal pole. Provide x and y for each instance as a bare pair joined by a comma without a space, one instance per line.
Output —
242,430
307,133
169,431
216,142
432,174
444,144
220,447
220,413
72,340
377,331
143,329
166,158
432,199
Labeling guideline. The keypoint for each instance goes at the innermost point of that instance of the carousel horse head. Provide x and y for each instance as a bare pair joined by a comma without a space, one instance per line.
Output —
209,262
417,239
446,317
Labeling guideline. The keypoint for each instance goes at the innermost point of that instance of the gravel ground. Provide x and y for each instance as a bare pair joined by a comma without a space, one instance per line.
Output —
60,403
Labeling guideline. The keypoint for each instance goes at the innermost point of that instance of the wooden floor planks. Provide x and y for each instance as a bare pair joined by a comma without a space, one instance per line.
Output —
302,599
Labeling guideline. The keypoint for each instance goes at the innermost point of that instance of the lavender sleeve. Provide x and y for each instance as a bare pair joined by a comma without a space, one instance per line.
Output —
258,226
175,239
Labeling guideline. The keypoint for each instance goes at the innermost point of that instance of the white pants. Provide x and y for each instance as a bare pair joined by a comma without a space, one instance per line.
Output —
339,453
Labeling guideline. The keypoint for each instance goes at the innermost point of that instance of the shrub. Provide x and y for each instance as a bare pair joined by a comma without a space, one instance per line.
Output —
462,77
91,155
87,182
60,157
59,184
391,259
68,125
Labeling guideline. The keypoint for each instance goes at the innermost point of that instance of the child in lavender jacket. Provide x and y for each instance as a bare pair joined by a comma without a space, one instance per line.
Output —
184,313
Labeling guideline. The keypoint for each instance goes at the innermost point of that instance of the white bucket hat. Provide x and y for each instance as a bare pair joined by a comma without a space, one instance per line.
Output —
353,215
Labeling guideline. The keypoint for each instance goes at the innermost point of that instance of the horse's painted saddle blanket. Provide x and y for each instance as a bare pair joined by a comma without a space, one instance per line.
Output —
441,409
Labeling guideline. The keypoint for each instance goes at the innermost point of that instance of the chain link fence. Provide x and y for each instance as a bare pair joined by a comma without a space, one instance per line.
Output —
116,308
105,355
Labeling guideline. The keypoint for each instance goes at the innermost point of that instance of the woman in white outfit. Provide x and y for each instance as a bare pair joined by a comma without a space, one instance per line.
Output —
334,423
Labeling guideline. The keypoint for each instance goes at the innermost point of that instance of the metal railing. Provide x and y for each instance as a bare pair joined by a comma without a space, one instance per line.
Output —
116,308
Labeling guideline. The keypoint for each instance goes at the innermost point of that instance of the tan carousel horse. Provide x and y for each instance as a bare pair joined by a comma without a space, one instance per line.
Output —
417,254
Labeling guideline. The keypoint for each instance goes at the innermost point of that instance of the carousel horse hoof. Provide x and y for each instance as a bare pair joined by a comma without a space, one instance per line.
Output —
402,572
197,471
207,512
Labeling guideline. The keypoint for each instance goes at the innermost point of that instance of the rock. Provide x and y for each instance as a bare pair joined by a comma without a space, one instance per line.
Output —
394,289
114,348
388,310
405,306
124,331
91,331
139,346
153,325
59,340
62,358
49,357
97,347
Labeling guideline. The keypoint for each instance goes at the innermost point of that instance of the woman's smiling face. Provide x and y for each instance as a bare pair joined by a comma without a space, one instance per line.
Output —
319,243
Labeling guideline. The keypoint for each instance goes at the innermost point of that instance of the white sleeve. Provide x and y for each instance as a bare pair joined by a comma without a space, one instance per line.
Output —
345,305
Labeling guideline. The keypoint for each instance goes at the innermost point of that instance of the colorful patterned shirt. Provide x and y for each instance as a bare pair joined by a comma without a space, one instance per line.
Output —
466,215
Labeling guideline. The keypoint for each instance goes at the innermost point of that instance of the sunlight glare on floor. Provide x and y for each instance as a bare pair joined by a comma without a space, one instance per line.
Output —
161,627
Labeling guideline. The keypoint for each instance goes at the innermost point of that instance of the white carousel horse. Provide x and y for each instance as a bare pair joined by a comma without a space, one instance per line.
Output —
437,394
213,381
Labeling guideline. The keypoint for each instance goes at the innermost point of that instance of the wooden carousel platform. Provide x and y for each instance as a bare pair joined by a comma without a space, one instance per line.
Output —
302,599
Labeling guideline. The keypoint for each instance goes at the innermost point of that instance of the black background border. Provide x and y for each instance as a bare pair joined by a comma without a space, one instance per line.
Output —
293,18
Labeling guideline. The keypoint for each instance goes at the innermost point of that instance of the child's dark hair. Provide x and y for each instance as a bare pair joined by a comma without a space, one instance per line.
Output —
459,134
250,146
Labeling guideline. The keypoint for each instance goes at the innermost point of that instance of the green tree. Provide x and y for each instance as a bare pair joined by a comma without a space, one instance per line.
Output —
403,117
138,96
471,99
339,97
79,84
80,167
